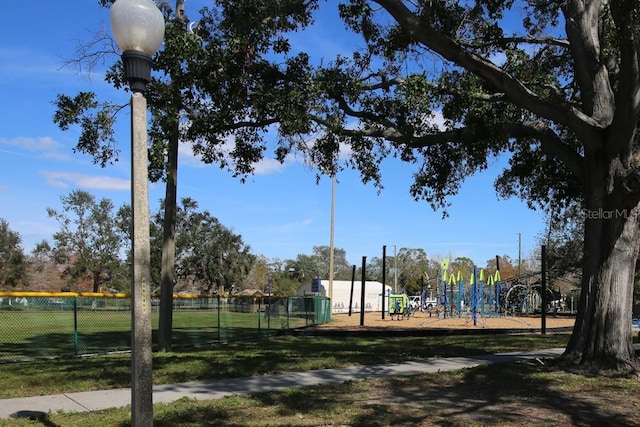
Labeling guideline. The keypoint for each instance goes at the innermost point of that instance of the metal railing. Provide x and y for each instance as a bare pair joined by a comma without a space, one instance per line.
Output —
43,324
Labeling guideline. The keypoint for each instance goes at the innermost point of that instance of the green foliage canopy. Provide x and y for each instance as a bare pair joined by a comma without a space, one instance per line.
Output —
13,263
89,240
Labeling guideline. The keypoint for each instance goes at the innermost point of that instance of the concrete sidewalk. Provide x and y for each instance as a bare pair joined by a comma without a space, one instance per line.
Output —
215,389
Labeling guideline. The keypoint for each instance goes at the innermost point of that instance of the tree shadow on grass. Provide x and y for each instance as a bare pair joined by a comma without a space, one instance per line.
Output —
37,416
66,345
260,356
519,393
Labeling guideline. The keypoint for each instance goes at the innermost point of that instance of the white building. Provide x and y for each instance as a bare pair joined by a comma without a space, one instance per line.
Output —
342,295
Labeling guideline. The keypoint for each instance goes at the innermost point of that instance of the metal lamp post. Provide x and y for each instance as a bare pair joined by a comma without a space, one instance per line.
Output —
138,27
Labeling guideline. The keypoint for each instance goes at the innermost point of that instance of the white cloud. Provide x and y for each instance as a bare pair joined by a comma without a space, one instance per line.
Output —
267,166
287,228
31,144
43,146
186,156
72,179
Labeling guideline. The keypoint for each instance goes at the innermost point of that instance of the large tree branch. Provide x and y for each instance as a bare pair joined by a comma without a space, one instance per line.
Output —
250,124
505,41
551,143
388,133
583,30
582,124
387,83
384,82
628,95
346,108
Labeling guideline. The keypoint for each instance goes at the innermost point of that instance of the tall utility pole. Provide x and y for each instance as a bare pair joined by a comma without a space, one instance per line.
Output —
384,276
395,270
519,253
333,203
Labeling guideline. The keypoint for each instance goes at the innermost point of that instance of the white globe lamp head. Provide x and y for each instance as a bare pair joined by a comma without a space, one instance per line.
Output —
138,27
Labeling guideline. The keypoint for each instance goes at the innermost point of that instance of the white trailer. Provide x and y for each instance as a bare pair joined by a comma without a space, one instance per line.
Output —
342,295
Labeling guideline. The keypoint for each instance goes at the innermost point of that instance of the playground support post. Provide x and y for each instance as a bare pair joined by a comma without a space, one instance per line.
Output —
384,275
451,301
364,266
353,279
543,311
460,291
497,288
444,296
474,299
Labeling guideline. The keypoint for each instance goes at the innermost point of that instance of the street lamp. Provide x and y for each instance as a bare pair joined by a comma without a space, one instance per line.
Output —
138,27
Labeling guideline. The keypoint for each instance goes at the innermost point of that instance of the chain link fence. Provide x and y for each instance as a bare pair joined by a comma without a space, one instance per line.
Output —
43,324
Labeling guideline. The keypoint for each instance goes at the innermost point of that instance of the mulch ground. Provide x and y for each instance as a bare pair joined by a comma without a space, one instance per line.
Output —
423,322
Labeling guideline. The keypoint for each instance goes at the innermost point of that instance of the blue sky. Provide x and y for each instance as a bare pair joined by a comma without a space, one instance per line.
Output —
280,211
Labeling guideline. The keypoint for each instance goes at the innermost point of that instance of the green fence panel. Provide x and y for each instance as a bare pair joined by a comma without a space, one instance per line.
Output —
68,324
36,327
104,325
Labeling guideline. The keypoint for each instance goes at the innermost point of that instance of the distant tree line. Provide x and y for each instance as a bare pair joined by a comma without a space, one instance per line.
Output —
91,252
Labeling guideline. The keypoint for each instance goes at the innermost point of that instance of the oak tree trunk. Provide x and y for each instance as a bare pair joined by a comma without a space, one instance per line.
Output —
167,271
602,335
97,281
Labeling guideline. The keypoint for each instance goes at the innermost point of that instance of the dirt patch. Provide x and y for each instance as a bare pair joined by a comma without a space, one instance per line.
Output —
420,320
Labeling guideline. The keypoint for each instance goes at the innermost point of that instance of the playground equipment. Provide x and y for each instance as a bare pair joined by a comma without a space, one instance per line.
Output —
399,306
487,295
526,298
484,295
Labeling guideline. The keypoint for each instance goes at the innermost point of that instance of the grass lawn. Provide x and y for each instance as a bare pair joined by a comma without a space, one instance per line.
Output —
514,394
239,359
32,332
